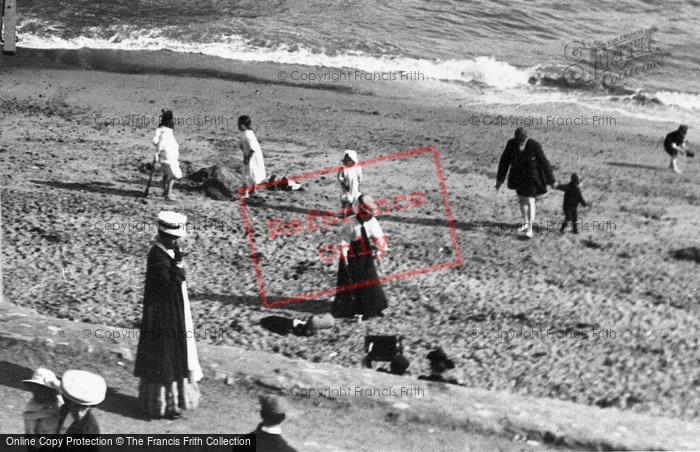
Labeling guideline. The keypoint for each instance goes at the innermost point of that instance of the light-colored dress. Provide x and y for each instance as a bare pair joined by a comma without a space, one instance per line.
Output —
350,178
168,152
254,170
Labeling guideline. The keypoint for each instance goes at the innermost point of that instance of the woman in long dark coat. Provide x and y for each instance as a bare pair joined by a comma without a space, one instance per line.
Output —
529,175
166,358
360,238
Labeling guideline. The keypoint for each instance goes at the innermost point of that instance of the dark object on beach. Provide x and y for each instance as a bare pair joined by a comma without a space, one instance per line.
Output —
439,363
282,184
387,349
398,365
218,182
383,348
690,154
150,178
687,254
284,325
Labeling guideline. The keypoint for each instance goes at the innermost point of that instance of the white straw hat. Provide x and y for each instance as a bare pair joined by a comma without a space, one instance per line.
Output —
45,377
172,223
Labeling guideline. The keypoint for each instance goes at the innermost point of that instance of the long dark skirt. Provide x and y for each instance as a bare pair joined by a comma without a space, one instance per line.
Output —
368,301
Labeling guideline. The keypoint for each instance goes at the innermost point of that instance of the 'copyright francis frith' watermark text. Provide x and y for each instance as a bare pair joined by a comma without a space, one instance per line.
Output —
154,121
331,392
120,226
114,335
337,75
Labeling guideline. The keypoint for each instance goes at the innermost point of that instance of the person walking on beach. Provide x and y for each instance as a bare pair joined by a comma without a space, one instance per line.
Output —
166,357
360,238
253,163
268,434
82,390
167,153
42,413
529,173
572,199
349,177
674,144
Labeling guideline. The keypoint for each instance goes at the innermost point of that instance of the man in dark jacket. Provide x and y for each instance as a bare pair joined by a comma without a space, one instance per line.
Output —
675,144
82,390
268,435
529,174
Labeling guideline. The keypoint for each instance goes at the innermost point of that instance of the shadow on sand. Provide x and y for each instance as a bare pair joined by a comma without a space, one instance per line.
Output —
92,187
637,165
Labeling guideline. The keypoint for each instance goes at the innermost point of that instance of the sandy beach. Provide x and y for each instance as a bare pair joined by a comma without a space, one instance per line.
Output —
608,317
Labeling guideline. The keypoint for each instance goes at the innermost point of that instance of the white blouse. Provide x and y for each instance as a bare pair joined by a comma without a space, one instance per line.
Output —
168,151
351,230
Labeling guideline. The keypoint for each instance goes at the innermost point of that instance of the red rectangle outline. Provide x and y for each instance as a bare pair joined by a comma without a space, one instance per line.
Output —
332,290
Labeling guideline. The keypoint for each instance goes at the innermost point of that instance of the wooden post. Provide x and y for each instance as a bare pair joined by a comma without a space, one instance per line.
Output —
9,25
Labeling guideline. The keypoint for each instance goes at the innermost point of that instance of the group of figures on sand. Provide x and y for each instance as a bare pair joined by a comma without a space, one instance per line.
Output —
168,154
529,173
360,293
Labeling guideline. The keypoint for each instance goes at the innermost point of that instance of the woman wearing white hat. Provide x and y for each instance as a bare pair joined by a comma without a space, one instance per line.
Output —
82,391
42,412
349,177
166,358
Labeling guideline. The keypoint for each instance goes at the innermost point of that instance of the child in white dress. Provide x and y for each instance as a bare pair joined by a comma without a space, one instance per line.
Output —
167,153
253,163
349,177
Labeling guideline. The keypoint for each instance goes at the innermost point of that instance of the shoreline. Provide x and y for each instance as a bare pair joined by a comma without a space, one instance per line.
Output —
354,81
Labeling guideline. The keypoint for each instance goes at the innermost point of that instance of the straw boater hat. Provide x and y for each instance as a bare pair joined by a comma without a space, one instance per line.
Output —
172,223
351,154
44,377
83,387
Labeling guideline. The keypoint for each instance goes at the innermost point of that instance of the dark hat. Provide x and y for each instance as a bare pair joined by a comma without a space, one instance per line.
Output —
683,128
520,133
273,409
166,119
438,357
399,365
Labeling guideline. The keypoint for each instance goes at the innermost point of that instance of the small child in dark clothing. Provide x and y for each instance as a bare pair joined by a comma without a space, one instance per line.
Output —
572,198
